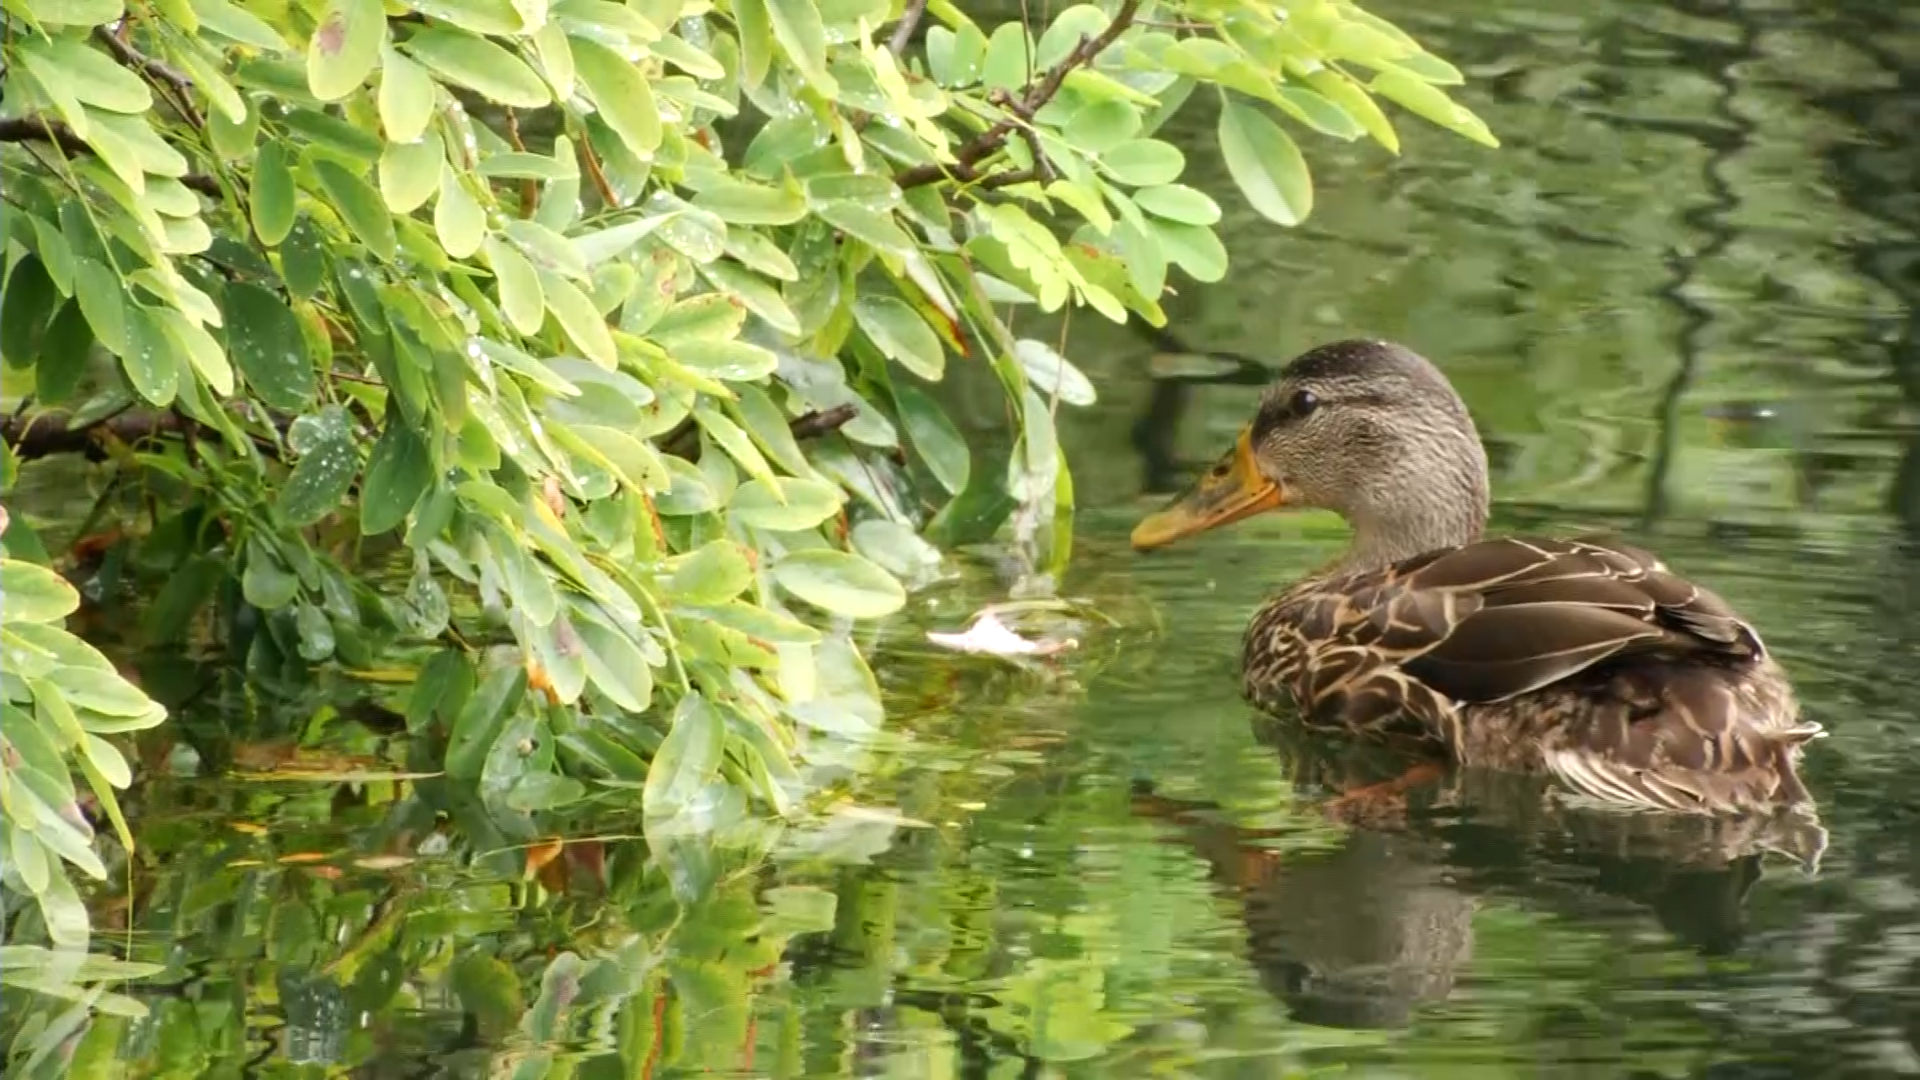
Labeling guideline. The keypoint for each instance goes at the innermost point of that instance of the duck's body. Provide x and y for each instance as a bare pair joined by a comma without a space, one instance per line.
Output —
1584,659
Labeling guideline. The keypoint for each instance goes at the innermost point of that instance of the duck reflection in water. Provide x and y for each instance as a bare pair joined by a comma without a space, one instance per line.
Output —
1367,933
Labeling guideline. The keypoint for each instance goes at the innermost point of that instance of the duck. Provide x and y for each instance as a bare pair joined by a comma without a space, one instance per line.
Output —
1584,659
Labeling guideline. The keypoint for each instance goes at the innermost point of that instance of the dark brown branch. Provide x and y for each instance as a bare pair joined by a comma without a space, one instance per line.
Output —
684,440
814,424
44,434
966,164
909,22
173,85
131,57
38,129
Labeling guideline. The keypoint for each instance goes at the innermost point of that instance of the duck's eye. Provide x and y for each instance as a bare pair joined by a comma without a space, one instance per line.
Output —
1304,402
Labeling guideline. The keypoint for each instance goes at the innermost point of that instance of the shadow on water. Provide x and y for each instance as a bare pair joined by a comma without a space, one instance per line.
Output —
1681,303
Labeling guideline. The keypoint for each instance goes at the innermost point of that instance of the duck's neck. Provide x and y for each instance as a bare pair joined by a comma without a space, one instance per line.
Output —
1398,520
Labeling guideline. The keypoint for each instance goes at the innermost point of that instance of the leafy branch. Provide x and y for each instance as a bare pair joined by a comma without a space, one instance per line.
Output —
967,160
25,129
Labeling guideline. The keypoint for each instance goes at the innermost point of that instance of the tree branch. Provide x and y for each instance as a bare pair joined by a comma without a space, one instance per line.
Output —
131,57
909,22
966,164
45,434
168,76
39,129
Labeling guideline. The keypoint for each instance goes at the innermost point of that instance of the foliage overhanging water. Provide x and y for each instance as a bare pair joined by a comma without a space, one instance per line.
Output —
1680,305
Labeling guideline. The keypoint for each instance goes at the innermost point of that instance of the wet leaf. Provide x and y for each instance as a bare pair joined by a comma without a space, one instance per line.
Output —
398,472
327,465
840,582
797,27
152,362
103,300
1052,374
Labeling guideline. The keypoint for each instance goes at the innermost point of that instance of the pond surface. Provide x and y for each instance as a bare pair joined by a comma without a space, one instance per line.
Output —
1679,302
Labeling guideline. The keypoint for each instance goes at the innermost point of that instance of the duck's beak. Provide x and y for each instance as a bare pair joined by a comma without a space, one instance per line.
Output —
1233,489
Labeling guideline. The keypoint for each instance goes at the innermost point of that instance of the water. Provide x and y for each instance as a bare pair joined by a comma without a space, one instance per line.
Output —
1680,305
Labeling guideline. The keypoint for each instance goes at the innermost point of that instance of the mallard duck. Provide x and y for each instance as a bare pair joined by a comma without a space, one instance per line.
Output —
1585,659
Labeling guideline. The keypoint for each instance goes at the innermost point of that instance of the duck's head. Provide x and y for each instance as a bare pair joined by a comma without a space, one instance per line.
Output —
1367,429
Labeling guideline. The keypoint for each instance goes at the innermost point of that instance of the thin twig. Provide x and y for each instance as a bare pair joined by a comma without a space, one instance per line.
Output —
909,22
599,176
966,164
22,129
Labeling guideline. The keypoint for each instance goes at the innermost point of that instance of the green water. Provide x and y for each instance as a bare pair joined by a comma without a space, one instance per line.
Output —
1680,304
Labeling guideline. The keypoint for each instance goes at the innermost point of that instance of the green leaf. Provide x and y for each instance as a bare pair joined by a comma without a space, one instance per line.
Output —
579,319
1009,57
1356,103
88,73
839,582
407,96
1144,162
397,474
410,173
480,66
518,286
264,340
934,435
63,356
797,27
201,350
151,362
104,302
615,665
798,909
713,573
1266,165
1429,102
360,206
479,16
34,593
345,47
25,312
637,464
236,24
788,505
740,203
272,201
481,720
266,583
458,219
622,95
688,759
733,361
1178,202
899,332
326,469
1051,374
1103,125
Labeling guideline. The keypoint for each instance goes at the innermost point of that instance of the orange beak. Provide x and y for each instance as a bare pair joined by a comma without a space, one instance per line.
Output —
1233,489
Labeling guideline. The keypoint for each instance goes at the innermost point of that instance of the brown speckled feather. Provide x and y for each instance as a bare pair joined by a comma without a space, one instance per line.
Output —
1585,659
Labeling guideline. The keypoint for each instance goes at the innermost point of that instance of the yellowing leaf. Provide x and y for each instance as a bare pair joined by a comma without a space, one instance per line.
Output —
345,47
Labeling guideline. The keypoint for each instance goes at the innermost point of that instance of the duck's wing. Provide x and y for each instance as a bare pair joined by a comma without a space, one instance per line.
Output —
1483,623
